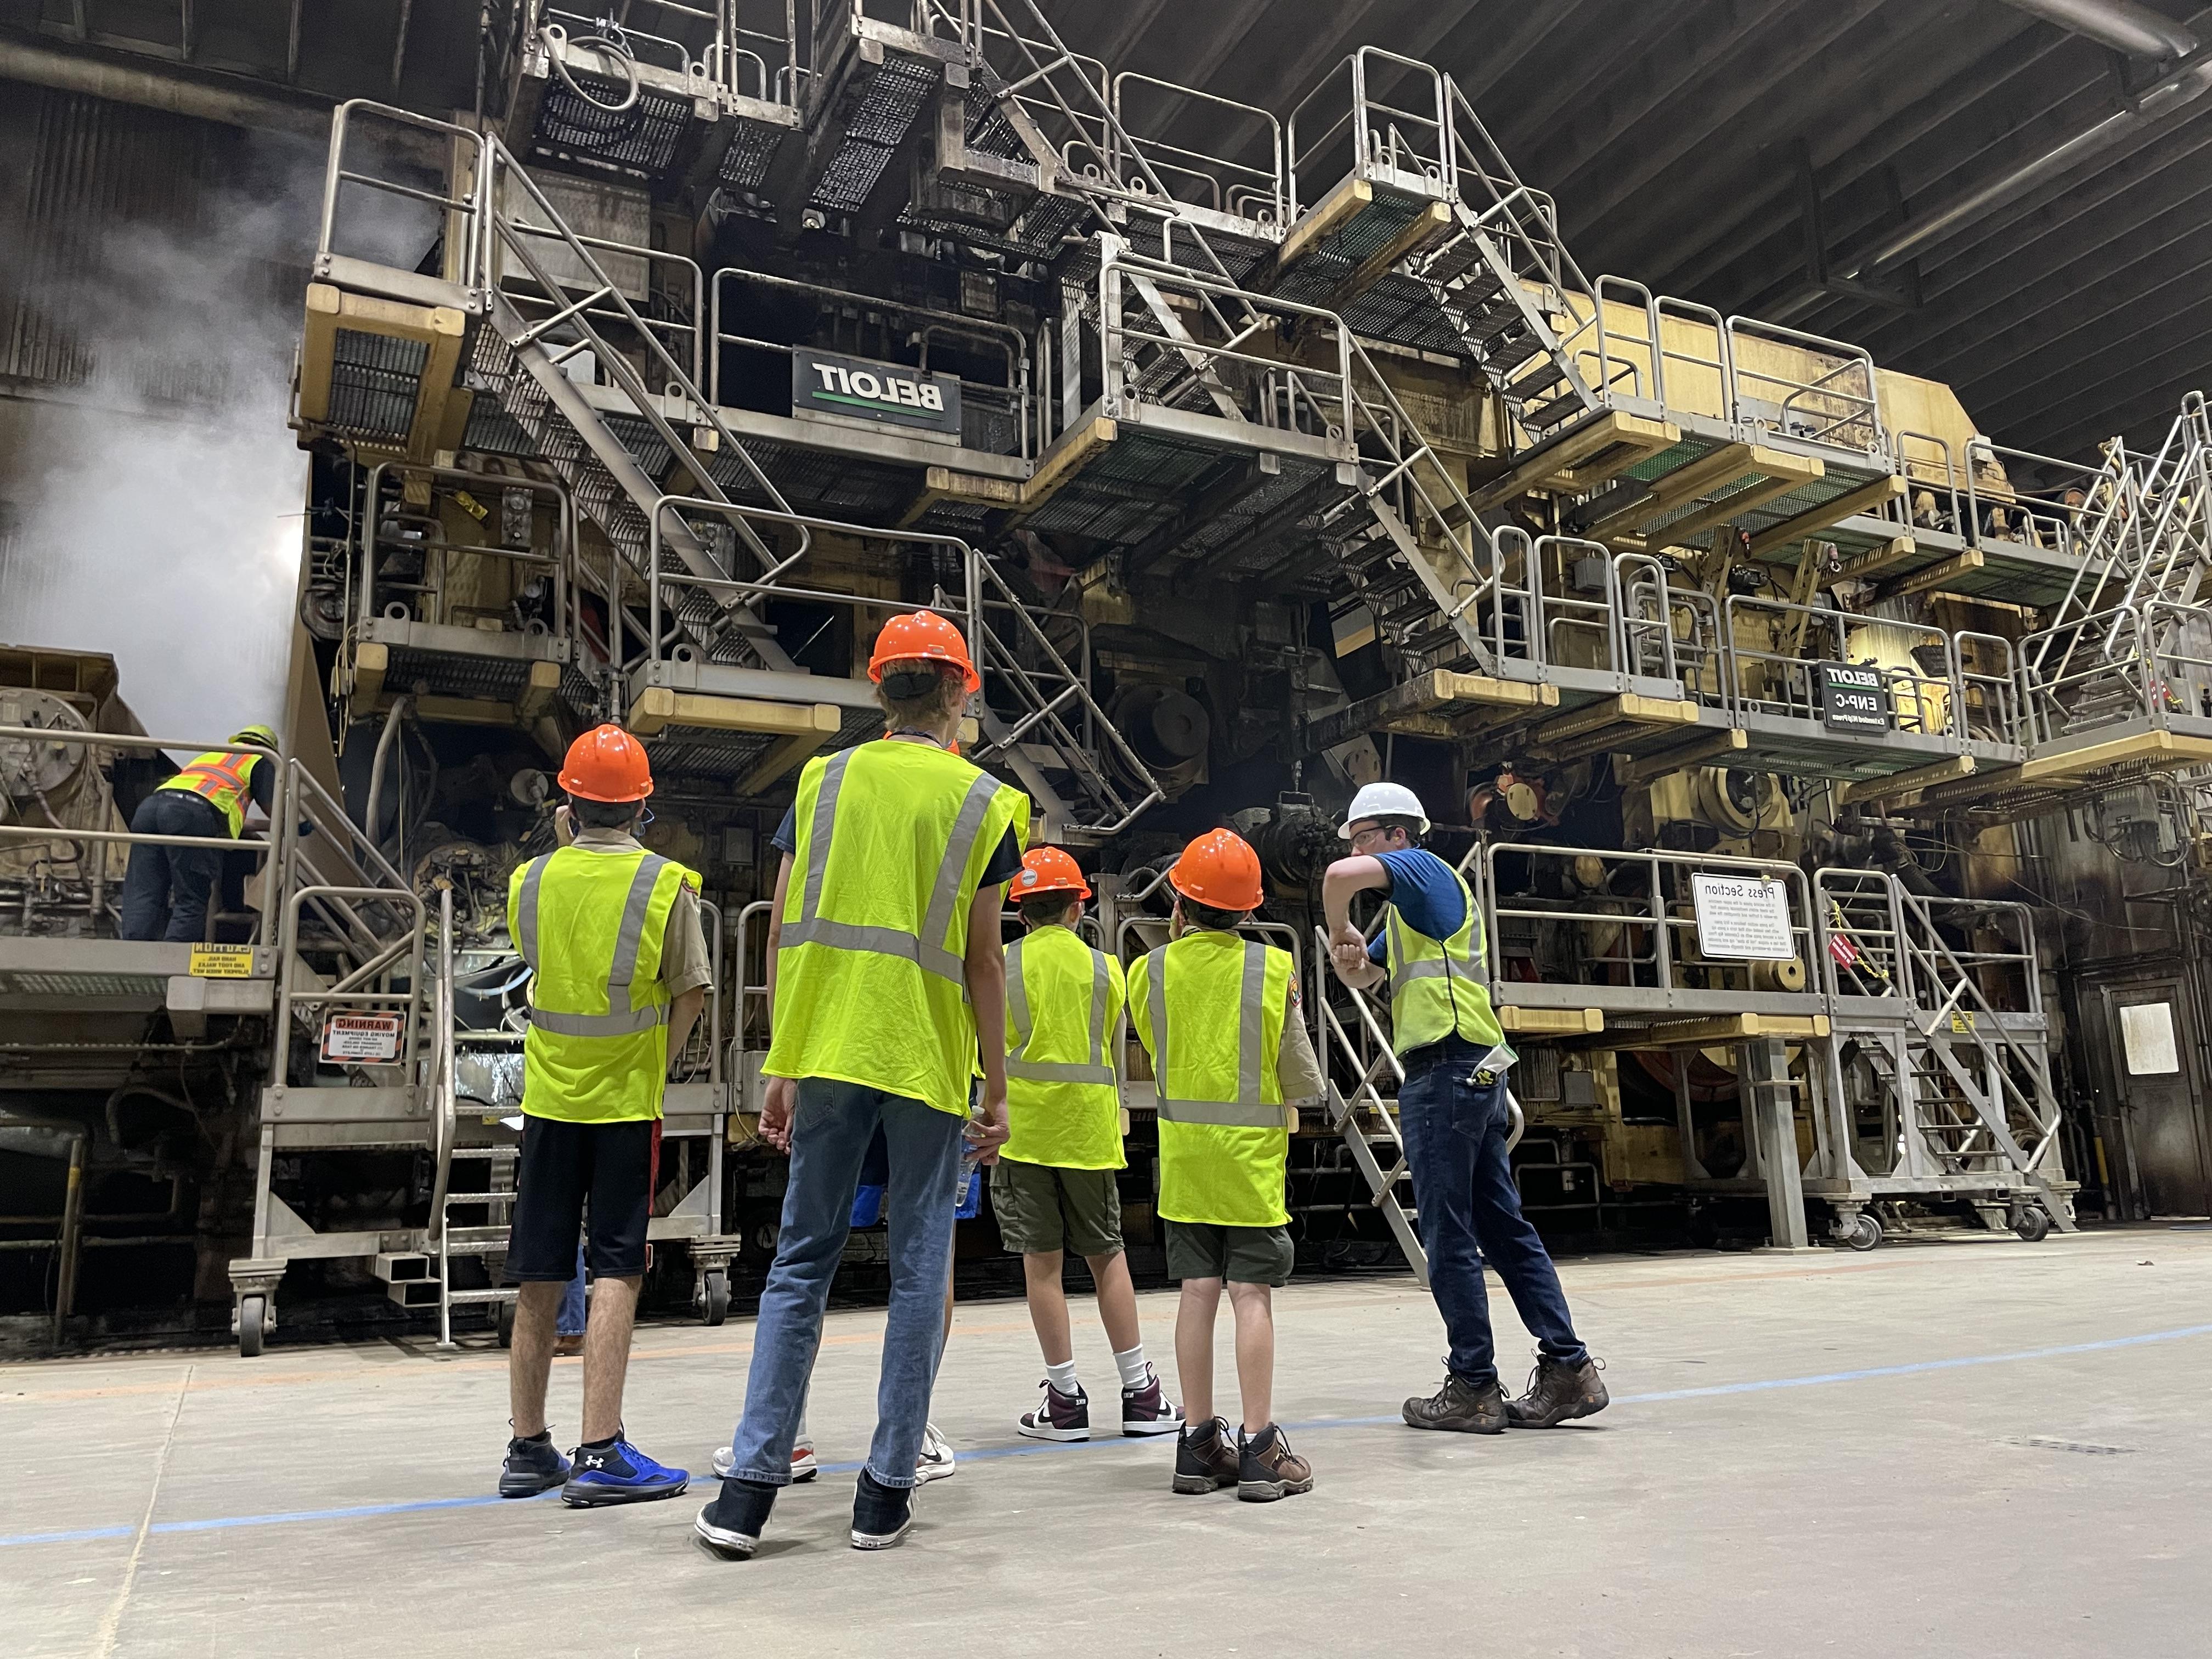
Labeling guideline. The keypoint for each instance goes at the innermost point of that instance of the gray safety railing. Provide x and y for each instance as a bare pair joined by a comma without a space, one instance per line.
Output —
705,47
1646,939
1930,699
1862,935
1225,184
2150,662
1836,401
1352,108
375,538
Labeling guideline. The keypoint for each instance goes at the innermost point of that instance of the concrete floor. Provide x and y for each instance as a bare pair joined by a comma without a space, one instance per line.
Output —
1936,1449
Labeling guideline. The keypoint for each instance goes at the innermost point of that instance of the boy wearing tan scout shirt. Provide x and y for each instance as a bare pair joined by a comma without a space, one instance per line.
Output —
1053,1188
1220,1016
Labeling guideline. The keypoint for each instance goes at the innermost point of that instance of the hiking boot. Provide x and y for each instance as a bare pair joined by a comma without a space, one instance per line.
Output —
1461,1406
804,1467
1148,1410
532,1466
731,1525
1267,1468
619,1473
1058,1415
1557,1389
882,1515
1206,1458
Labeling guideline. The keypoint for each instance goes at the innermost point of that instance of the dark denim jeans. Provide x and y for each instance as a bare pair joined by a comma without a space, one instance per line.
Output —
573,1308
166,888
1455,1131
830,1136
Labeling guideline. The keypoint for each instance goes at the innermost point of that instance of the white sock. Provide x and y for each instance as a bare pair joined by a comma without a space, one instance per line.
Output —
1063,1378
1135,1373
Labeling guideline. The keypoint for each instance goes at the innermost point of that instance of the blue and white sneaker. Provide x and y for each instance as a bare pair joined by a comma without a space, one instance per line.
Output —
619,1473
531,1467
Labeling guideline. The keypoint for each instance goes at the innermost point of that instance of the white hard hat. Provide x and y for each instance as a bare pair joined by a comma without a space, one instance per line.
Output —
1383,800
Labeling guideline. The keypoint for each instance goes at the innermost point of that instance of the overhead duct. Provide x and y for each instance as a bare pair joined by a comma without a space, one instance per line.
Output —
125,83
2183,87
2123,25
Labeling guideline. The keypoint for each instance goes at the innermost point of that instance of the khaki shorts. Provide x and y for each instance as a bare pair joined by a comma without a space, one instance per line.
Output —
1242,1255
1042,1208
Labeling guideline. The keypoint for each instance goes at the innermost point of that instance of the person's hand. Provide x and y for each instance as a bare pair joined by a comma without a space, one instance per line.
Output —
989,1131
782,1101
1347,951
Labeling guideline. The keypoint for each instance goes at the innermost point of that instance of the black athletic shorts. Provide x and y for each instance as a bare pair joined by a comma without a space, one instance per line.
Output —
563,1163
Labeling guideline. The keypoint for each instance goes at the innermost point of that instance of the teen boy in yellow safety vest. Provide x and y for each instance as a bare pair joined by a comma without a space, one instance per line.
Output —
887,986
1054,1186
619,969
1221,1018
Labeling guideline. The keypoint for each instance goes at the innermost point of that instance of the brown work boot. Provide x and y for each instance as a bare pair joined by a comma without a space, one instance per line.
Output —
1206,1457
1557,1390
569,1348
1268,1469
1461,1407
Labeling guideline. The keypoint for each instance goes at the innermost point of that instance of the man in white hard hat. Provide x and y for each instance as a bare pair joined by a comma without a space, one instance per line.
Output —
1452,1111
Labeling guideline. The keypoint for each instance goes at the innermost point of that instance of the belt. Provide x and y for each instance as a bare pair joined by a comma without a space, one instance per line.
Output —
1448,1050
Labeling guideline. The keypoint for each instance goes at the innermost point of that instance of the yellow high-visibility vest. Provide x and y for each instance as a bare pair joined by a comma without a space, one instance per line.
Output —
225,778
591,925
1438,988
1209,1009
870,982
1062,1001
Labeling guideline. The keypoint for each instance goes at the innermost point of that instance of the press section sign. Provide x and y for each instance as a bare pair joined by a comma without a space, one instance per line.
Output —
1853,699
885,394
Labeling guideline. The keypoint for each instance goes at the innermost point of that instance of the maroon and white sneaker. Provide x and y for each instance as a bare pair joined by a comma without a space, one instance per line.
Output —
1058,1415
1148,1410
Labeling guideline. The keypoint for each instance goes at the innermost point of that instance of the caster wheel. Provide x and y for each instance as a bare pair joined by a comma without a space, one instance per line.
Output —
714,1305
1864,1232
253,1316
2033,1223
507,1324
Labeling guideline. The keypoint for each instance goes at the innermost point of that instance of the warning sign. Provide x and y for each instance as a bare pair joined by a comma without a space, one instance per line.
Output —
1742,918
221,961
361,1039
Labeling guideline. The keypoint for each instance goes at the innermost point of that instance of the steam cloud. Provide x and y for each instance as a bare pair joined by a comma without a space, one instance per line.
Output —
157,505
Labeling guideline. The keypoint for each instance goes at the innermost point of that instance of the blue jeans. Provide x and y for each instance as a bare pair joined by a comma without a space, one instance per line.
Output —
830,1136
1455,1131
166,888
571,1322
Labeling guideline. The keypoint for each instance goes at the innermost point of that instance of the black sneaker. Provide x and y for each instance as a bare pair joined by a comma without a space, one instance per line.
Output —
1556,1392
1148,1410
1461,1407
1206,1457
882,1515
1057,1416
532,1466
1267,1468
731,1525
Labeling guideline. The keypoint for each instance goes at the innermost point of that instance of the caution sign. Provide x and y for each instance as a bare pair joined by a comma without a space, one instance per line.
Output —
221,961
361,1039
1742,918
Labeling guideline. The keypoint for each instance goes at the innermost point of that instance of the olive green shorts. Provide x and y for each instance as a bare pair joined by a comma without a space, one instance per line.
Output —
1042,1208
1242,1255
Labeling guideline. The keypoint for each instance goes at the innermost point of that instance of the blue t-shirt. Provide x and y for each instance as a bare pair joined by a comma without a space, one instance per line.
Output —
1425,894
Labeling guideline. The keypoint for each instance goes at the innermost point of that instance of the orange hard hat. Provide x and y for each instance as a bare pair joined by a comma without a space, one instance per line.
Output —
1048,870
923,636
1221,871
607,763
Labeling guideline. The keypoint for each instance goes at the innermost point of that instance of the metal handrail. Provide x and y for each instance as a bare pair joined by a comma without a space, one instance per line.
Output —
1858,406
1938,716
563,559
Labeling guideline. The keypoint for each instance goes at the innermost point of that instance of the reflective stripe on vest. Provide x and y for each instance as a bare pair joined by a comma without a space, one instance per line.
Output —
1018,1014
1249,1110
222,779
923,951
623,1020
1423,1011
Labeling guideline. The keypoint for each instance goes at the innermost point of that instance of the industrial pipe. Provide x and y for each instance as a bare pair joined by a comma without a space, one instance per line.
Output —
123,83
2123,25
399,707
72,1239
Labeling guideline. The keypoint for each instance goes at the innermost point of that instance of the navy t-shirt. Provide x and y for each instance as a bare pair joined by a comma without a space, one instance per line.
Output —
1427,897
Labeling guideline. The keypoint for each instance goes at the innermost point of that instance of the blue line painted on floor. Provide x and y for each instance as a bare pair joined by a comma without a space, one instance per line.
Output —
1031,1449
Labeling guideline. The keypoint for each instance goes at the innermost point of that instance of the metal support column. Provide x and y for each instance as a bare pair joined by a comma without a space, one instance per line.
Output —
1770,1118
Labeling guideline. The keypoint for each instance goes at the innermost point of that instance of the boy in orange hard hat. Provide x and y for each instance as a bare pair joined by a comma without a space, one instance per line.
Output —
1221,1017
1054,1189
887,985
618,975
